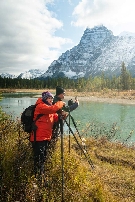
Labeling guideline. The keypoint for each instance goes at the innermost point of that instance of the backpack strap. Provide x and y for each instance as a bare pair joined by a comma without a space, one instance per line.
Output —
35,127
38,116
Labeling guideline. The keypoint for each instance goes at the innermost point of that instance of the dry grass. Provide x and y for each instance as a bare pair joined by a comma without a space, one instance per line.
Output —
115,166
111,180
106,93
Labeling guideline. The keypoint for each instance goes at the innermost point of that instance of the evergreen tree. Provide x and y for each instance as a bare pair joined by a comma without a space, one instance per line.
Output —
125,78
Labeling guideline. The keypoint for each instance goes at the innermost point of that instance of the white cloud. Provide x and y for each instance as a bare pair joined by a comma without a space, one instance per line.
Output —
117,15
27,35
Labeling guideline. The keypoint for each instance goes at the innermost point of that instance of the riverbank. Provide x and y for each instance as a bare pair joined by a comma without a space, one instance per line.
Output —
108,96
108,100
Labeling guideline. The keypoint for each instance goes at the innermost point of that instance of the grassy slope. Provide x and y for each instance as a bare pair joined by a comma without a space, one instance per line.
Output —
112,179
115,166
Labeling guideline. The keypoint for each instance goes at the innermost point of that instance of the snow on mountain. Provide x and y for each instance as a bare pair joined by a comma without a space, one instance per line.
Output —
7,75
31,74
98,51
119,50
127,34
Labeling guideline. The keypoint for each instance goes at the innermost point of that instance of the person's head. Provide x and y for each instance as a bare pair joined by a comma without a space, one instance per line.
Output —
60,92
47,97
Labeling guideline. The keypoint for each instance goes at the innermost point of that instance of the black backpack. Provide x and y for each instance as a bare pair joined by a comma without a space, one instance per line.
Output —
27,119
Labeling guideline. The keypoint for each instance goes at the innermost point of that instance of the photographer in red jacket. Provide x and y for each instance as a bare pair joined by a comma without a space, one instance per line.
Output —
44,129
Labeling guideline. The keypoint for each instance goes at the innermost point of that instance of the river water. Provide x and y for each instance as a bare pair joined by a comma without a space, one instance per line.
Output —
116,121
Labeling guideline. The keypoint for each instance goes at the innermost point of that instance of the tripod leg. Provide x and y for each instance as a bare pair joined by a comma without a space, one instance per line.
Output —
85,154
69,132
62,159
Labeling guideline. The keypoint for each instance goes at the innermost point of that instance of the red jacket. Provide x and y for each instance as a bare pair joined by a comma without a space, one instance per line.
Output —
45,123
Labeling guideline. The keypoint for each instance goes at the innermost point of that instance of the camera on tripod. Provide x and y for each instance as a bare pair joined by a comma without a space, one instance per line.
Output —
70,102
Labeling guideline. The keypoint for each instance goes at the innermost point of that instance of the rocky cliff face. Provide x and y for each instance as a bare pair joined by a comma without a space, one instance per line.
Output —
98,51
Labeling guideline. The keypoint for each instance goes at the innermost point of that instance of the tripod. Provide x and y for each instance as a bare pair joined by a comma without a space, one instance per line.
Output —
60,125
69,133
82,150
62,157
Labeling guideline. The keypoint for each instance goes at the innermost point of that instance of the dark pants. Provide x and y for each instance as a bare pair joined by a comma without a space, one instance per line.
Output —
40,153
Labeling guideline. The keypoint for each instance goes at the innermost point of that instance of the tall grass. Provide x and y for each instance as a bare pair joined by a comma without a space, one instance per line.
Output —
81,182
17,179
15,160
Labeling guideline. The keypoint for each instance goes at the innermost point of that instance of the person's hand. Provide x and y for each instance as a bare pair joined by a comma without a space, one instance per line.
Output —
64,104
76,100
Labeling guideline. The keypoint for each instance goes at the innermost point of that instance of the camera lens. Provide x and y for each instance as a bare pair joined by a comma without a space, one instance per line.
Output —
70,102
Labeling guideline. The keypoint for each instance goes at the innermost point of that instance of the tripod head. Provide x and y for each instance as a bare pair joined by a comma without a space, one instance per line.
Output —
70,102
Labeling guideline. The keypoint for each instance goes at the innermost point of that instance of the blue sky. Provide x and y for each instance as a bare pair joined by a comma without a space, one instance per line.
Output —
63,10
36,32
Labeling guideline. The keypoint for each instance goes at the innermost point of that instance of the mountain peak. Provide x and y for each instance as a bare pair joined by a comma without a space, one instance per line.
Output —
96,35
98,51
98,28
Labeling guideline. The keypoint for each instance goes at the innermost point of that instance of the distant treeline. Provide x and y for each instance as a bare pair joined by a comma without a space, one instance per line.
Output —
124,82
